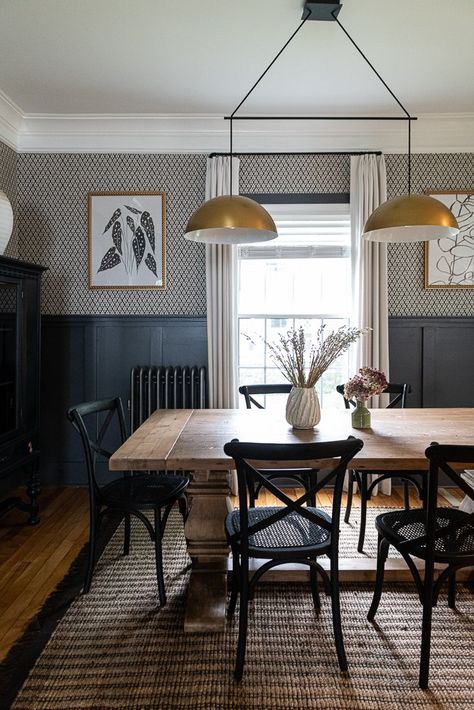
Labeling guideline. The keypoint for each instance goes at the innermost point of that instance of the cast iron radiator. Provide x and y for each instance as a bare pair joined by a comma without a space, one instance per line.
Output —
165,388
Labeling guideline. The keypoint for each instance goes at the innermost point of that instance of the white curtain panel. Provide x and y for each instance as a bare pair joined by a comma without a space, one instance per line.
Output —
221,288
369,271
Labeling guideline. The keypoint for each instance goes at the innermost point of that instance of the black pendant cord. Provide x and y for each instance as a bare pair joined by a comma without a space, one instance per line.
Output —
407,116
353,42
231,157
255,85
271,63
409,157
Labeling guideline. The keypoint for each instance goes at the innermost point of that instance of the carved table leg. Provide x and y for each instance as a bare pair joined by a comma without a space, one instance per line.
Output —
33,490
209,503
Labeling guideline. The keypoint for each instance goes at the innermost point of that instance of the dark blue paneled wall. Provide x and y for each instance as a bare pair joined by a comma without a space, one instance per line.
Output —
89,357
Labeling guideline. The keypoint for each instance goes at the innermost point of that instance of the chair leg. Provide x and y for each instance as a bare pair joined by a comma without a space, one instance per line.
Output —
406,495
350,491
363,510
252,494
243,618
426,629
313,577
159,558
183,506
313,479
235,584
126,537
336,614
93,532
452,590
382,554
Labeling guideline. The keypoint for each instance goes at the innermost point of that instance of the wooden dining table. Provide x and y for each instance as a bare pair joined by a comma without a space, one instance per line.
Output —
193,441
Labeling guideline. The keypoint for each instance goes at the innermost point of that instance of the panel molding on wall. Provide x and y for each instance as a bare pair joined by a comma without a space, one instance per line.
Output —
87,357
90,357
434,355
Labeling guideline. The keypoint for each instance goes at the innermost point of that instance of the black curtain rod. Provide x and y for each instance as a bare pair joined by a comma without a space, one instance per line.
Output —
312,152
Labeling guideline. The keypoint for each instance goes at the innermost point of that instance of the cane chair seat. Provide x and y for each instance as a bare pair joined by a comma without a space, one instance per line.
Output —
143,491
289,535
407,526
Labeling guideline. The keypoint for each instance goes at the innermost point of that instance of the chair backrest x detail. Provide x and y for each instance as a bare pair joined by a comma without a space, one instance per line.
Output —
332,455
400,391
248,390
440,456
93,448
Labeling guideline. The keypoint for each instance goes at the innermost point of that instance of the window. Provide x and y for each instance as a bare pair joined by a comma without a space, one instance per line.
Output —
300,278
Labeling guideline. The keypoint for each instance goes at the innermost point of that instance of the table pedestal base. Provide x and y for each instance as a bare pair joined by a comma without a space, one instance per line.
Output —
209,503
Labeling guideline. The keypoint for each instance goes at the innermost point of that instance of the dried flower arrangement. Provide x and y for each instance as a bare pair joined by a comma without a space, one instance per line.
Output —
303,364
367,383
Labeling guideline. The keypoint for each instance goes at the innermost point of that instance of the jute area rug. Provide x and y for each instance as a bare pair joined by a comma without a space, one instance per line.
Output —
114,648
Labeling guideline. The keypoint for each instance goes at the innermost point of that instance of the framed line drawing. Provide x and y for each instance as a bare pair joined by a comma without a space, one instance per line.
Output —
127,240
449,262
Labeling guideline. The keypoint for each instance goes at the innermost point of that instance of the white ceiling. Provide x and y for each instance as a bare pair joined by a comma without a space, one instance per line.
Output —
201,57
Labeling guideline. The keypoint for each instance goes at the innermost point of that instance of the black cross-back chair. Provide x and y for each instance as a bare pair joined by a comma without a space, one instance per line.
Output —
359,478
254,487
433,534
293,532
131,494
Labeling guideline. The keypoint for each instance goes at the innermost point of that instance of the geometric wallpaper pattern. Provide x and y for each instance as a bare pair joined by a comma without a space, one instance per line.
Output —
8,185
406,293
52,221
52,209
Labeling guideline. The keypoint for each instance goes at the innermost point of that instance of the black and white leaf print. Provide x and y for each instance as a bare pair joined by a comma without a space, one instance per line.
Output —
131,224
147,224
117,236
110,260
113,219
133,209
151,263
138,245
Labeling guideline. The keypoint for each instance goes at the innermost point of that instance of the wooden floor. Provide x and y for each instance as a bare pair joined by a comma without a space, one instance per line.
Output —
34,559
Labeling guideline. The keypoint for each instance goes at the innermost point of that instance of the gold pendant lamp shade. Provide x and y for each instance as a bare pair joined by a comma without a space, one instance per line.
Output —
231,219
410,218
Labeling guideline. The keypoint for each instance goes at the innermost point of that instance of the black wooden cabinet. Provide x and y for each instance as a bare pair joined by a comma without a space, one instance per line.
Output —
20,330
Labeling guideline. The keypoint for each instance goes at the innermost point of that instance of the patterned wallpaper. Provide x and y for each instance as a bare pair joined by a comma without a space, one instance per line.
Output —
8,185
406,293
52,201
52,219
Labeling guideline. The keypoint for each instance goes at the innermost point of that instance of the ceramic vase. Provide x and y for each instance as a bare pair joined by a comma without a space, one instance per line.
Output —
360,416
302,408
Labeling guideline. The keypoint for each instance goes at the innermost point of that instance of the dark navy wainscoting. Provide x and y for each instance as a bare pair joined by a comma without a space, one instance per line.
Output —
90,357
436,356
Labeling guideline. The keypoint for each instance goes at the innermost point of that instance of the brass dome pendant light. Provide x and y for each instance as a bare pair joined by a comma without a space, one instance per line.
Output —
410,218
231,219
234,219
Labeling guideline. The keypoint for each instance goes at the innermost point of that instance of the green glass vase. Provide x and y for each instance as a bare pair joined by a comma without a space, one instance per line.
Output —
360,416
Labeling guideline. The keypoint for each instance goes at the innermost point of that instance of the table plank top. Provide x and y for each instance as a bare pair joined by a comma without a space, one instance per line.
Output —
194,439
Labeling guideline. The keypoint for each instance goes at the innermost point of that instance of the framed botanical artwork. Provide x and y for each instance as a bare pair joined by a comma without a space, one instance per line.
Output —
127,240
449,262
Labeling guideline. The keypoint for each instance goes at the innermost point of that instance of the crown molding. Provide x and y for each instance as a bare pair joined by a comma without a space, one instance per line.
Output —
11,121
205,133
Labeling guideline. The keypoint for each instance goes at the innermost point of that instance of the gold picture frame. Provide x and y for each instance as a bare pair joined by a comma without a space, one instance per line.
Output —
449,262
127,240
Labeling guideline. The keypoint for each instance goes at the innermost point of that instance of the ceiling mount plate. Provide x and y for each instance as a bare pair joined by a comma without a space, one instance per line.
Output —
321,10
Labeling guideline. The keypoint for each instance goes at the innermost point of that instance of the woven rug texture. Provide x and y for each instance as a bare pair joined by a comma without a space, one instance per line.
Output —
115,648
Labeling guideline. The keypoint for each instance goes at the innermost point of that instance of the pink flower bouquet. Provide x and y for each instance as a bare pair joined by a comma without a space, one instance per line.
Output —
366,384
